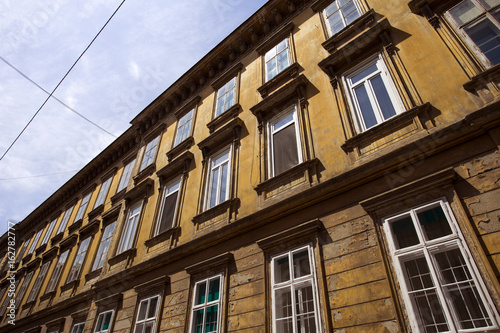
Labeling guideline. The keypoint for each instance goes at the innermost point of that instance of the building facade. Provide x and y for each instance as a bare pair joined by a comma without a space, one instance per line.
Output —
330,166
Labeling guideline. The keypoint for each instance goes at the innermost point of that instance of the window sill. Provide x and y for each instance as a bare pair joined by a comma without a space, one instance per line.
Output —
173,169
28,305
162,237
75,226
286,75
221,213
56,238
390,131
291,178
50,253
68,242
26,258
40,249
180,148
127,254
484,84
70,285
118,196
224,117
93,274
95,212
89,229
343,36
148,171
47,296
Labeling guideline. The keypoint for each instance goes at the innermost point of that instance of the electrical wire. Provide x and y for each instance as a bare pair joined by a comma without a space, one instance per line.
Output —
64,77
54,97
38,176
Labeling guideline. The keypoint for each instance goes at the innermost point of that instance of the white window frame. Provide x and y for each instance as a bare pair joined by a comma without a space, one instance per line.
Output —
23,249
130,228
206,304
169,189
125,177
222,97
103,192
102,252
77,266
425,249
150,152
273,54
271,131
465,37
151,321
65,219
78,327
20,294
184,127
56,273
212,168
48,233
39,281
83,206
102,314
339,10
389,85
35,241
293,282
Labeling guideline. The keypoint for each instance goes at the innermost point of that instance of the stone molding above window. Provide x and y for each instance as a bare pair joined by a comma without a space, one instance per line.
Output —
224,118
57,325
231,132
415,115
94,213
212,264
180,165
111,214
298,235
483,79
143,190
286,75
153,286
180,148
293,93
50,254
127,255
68,242
89,229
146,172
75,226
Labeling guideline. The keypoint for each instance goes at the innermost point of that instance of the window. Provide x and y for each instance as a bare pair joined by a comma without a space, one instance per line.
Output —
35,242
205,315
340,14
7,299
478,22
168,206
56,274
21,252
284,145
129,228
440,283
104,246
80,256
184,127
83,207
294,292
38,282
373,95
226,96
218,180
277,59
103,192
64,222
104,322
127,171
150,153
147,314
78,328
48,233
24,286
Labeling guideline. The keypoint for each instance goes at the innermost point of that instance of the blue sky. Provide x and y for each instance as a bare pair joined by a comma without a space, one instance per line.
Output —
146,47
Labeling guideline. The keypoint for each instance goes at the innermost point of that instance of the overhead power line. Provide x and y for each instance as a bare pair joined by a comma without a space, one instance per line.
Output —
64,77
54,97
38,176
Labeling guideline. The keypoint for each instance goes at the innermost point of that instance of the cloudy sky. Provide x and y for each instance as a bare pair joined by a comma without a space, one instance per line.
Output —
146,47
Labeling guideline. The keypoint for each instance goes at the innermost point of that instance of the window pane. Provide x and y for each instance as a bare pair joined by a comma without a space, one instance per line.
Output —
200,293
152,307
465,12
211,319
301,266
488,4
434,223
364,74
214,186
281,270
107,321
366,108
424,297
285,152
304,307
223,183
213,290
142,310
198,321
404,232
461,290
383,99
487,37
139,328
168,212
283,303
